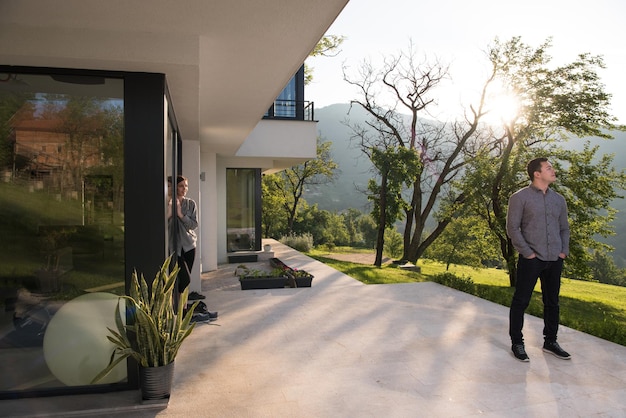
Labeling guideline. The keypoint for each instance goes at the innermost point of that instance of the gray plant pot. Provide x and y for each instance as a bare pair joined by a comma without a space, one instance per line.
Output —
262,282
156,382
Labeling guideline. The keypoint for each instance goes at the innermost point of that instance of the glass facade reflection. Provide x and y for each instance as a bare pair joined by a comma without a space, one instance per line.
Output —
61,223
243,187
285,104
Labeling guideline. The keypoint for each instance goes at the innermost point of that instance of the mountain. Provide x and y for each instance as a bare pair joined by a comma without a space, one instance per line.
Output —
355,169
615,147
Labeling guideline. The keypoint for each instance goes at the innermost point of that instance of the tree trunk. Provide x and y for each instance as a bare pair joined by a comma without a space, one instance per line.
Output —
511,262
382,221
408,228
380,242
512,273
290,220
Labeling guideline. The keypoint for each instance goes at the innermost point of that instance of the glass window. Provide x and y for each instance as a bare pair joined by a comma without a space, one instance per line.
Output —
241,208
62,227
285,105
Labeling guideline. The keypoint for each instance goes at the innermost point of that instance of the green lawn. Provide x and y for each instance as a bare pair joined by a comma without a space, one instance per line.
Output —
594,308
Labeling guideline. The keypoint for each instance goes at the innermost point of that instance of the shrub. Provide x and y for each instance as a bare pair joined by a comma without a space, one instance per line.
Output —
302,243
464,284
394,244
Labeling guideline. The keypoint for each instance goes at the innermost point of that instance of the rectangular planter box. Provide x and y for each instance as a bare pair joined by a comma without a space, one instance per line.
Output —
304,281
276,263
301,281
262,282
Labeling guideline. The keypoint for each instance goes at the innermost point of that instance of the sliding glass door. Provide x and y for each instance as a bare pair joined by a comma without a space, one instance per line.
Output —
243,187
61,223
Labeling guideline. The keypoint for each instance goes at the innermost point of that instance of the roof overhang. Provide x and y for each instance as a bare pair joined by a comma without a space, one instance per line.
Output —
225,61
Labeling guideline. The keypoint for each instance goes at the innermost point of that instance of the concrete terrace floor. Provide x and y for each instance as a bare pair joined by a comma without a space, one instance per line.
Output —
345,349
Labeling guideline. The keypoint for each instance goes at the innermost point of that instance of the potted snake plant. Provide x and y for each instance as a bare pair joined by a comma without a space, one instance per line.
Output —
154,332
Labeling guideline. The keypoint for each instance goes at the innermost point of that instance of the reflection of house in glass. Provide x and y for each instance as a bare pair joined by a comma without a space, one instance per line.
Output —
57,151
38,145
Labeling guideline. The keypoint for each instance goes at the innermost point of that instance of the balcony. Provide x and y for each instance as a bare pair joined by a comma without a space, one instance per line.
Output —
291,110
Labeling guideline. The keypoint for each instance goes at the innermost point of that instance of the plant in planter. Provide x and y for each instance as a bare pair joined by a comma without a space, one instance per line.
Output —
262,279
297,278
302,278
154,332
241,270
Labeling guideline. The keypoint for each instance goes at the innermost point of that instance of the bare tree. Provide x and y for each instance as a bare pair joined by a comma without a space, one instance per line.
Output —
408,86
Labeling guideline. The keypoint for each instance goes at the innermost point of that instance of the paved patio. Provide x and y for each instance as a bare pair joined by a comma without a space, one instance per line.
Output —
342,348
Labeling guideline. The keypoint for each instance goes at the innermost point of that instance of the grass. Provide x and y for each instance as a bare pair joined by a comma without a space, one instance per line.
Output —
345,250
28,222
595,308
369,274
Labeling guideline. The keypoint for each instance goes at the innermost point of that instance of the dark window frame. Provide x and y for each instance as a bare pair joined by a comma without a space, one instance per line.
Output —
144,169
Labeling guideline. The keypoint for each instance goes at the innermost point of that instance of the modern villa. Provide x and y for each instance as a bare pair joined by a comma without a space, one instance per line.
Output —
101,101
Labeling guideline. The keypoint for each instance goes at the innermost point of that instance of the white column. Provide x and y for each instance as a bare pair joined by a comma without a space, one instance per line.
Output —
209,204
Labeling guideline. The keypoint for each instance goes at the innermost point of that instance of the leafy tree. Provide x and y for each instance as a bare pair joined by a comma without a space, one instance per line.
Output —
350,219
90,129
466,241
112,150
10,104
336,230
589,183
393,243
290,184
604,270
328,46
327,228
273,219
553,103
396,167
83,124
368,228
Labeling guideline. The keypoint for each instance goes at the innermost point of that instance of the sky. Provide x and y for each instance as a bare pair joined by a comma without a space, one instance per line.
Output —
457,32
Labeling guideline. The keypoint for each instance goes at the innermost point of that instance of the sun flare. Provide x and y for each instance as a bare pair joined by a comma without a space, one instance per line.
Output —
502,107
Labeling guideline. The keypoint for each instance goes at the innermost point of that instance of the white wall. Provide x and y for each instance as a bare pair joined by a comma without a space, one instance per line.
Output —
273,143
208,206
221,229
281,138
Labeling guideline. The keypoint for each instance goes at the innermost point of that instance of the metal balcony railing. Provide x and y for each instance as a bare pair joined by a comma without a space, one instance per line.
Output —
291,110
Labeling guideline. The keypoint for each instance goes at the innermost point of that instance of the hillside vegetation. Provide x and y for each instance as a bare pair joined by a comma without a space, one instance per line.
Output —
355,169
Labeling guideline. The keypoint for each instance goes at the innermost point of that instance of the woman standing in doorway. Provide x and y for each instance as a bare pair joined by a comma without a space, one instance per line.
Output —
182,235
182,241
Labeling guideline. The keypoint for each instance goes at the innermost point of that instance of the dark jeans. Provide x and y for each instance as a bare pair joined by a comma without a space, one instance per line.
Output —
528,271
185,262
